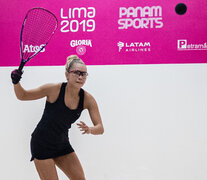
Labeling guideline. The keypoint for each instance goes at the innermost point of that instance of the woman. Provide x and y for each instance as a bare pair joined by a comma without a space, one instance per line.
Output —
50,144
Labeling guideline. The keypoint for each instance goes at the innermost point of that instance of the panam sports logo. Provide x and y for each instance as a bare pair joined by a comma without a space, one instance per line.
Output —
31,48
81,45
140,17
183,45
134,46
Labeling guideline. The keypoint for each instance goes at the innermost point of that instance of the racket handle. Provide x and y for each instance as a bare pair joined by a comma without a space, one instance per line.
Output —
21,66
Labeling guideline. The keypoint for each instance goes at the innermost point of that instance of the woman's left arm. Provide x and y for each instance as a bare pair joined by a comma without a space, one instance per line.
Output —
91,105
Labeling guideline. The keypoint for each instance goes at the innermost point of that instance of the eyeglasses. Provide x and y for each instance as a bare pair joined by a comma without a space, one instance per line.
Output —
79,73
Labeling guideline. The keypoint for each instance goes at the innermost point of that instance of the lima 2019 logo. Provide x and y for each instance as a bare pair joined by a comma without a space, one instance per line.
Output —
78,19
81,45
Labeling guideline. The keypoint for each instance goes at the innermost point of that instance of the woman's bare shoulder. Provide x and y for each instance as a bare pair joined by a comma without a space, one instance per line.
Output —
89,100
53,90
87,95
53,85
50,87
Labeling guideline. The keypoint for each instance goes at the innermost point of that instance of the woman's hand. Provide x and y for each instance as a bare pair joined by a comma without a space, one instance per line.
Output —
83,127
16,75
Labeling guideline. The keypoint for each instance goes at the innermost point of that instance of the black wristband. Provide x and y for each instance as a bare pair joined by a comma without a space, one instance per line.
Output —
16,75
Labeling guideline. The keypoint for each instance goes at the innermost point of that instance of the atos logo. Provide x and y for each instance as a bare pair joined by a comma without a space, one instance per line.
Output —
31,48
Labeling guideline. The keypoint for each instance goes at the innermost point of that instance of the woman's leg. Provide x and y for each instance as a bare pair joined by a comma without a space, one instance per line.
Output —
46,169
71,166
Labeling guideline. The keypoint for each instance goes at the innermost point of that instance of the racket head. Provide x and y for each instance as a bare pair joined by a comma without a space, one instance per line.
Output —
38,27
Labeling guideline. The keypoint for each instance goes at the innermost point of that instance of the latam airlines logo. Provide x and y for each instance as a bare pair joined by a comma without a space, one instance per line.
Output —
31,48
183,45
81,45
134,46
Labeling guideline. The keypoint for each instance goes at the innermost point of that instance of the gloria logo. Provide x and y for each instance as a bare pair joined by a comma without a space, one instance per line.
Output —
81,45
140,17
183,45
31,48
134,46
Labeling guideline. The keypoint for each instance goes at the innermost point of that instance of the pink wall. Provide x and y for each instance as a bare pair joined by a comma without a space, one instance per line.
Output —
151,37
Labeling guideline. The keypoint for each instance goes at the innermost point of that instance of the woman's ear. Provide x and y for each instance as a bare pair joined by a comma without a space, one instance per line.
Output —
66,75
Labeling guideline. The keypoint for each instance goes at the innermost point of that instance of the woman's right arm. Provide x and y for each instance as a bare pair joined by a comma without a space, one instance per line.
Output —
32,94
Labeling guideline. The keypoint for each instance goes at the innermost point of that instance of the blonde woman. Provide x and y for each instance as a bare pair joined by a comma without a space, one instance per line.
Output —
65,101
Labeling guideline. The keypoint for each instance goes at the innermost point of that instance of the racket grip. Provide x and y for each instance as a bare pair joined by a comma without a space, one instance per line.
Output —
21,66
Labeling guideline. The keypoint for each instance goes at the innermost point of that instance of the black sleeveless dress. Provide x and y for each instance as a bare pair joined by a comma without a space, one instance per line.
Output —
50,137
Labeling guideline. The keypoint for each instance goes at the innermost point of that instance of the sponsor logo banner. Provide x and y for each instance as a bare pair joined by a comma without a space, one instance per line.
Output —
109,33
81,45
31,48
134,46
184,45
140,17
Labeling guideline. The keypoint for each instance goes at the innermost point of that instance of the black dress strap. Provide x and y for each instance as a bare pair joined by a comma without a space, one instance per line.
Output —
81,101
62,92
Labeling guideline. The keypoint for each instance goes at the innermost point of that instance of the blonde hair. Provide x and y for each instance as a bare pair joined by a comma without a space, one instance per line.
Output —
71,60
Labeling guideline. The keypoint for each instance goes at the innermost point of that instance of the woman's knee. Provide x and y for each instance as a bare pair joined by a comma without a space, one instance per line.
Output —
46,169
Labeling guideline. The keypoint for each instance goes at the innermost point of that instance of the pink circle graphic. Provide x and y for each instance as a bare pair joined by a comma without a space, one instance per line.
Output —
81,50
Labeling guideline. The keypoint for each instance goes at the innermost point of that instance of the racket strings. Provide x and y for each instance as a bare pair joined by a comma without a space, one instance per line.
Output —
39,27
